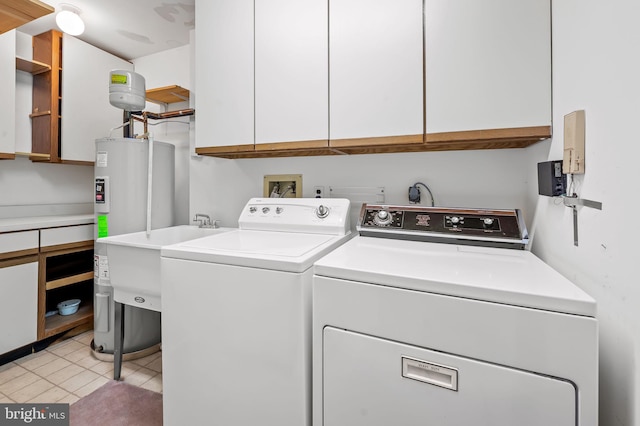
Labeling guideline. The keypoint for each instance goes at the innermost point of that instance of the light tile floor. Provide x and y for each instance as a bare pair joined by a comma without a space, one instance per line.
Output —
67,371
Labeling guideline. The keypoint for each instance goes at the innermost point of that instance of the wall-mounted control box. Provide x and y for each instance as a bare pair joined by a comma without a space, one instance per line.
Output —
551,181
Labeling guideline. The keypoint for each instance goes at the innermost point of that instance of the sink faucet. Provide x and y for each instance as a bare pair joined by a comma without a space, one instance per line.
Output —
204,221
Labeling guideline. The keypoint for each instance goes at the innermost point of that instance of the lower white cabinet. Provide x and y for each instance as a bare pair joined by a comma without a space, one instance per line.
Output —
18,302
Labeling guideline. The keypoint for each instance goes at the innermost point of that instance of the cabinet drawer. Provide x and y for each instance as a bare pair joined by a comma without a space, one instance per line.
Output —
14,244
66,235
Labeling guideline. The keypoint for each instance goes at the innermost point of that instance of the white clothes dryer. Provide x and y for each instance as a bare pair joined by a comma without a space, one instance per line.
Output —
436,316
236,325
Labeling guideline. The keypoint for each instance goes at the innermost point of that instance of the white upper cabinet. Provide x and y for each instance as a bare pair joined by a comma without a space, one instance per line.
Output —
8,94
291,72
376,69
488,64
224,73
86,113
371,75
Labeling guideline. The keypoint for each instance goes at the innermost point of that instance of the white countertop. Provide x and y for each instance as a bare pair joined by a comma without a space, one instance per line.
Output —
39,222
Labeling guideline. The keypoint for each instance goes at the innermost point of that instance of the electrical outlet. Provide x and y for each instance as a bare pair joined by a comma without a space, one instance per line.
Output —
282,186
318,191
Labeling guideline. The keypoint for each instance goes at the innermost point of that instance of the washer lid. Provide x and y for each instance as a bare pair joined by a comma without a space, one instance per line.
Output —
512,277
284,251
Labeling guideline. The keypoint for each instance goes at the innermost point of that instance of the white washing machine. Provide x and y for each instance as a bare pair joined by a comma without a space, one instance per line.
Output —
436,316
236,315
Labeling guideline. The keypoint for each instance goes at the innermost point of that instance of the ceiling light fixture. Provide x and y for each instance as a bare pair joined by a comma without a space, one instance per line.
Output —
69,21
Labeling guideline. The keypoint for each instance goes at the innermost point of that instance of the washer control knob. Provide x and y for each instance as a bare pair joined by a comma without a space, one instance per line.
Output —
253,209
279,210
487,222
383,217
266,210
322,211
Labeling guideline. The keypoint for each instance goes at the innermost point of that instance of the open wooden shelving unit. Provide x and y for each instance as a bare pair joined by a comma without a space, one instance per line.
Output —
66,272
47,96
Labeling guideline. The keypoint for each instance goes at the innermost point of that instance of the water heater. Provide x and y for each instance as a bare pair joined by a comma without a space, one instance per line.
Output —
121,184
127,90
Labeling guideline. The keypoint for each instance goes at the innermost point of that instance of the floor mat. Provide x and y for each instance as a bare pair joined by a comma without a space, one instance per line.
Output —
118,404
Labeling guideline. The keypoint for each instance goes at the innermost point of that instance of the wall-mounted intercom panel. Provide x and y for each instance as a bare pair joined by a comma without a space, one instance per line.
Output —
573,157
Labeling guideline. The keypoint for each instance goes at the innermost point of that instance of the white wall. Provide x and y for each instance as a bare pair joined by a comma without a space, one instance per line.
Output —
23,183
169,68
491,178
597,68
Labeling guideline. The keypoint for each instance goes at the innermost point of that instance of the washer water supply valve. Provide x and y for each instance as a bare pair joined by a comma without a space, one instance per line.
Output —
414,193
282,186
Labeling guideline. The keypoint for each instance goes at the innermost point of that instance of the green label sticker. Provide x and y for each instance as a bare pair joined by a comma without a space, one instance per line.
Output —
118,79
103,226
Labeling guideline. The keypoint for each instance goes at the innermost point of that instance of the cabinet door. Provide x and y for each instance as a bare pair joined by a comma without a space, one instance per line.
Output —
8,94
376,70
488,64
87,114
291,49
224,74
19,303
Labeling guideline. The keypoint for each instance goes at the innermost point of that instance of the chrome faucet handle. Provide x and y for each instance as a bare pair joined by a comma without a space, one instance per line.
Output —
203,219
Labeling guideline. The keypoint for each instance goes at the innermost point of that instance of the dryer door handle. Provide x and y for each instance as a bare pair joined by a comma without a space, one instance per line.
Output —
431,373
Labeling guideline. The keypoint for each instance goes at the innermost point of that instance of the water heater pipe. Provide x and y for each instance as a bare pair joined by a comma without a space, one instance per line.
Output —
149,183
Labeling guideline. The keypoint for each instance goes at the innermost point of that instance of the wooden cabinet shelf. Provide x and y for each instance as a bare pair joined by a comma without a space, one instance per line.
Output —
73,279
32,67
59,323
168,94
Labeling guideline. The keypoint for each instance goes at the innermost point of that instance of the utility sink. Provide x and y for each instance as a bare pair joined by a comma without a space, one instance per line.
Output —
134,262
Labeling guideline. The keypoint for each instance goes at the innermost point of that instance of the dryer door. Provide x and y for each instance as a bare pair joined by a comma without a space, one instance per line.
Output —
376,382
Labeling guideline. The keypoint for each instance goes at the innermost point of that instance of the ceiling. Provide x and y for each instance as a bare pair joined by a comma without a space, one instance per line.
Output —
127,28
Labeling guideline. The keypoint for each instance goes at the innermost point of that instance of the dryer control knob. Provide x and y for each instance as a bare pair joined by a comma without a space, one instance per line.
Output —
382,218
487,222
322,211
